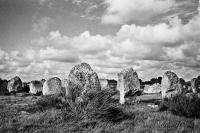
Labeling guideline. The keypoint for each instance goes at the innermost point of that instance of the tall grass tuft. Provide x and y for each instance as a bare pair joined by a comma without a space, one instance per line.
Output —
182,105
97,105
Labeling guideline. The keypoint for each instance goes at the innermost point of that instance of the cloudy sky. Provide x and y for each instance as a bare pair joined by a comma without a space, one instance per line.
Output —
46,38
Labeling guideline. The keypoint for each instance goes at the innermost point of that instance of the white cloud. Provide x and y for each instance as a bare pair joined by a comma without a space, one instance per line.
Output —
150,50
120,12
64,55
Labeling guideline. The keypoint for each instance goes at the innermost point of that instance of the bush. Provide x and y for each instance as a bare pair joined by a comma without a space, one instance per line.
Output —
96,105
182,105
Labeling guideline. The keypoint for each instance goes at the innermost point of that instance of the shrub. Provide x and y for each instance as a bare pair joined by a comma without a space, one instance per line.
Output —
182,105
97,105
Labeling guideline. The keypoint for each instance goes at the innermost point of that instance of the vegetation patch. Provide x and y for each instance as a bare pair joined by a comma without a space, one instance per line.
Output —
182,105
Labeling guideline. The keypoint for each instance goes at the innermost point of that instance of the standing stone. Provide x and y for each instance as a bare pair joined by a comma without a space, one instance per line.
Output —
83,80
35,87
65,88
170,85
25,87
112,84
195,85
3,87
52,86
14,85
127,81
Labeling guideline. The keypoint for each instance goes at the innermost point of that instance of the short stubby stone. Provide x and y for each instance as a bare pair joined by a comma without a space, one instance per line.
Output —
170,85
183,87
35,87
52,86
128,81
14,85
195,85
152,89
83,80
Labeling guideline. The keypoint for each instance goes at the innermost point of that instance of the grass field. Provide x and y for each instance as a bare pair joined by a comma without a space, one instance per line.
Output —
22,114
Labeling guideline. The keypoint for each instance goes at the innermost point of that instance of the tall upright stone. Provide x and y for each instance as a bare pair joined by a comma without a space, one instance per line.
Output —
52,86
65,88
170,85
14,85
82,80
35,87
195,85
127,81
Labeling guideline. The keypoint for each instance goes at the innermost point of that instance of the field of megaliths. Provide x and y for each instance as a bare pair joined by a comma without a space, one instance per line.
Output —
84,103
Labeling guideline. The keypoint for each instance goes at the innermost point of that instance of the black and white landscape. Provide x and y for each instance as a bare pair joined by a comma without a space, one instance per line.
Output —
100,66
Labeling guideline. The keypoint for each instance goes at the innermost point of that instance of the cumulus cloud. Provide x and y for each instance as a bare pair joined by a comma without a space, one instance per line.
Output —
65,55
120,12
149,49
146,11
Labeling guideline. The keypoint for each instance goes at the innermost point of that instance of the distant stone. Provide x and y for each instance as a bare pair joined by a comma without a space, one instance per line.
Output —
25,87
112,84
109,85
35,87
14,85
170,85
3,87
128,81
104,84
83,80
152,89
195,85
52,86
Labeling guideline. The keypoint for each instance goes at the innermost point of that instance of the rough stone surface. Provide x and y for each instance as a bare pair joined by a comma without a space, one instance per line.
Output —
65,88
35,87
152,89
82,79
170,85
52,86
127,81
14,85
195,85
